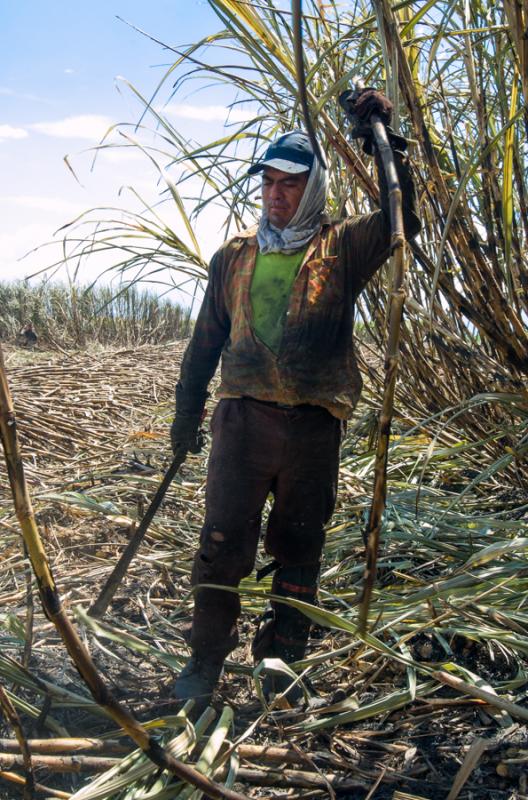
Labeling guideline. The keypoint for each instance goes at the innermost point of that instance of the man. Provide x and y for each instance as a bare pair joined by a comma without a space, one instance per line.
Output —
279,311
27,336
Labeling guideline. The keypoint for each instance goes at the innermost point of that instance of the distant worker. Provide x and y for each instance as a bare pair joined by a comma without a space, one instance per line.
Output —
27,336
279,312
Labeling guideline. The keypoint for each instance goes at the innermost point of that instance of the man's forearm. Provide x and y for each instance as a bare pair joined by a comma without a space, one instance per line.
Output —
198,367
201,358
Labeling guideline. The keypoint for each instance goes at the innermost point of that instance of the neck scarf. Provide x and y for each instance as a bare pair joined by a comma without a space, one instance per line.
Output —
305,223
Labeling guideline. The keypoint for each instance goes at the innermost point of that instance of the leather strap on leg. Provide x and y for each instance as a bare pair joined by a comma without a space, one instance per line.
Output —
292,627
283,632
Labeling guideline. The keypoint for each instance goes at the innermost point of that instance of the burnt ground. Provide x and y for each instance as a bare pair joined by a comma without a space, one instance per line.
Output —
414,749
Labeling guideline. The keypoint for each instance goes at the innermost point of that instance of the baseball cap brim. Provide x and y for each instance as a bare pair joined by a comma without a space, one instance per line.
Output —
292,167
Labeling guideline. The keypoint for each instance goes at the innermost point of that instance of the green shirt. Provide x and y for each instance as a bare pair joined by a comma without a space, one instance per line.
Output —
271,286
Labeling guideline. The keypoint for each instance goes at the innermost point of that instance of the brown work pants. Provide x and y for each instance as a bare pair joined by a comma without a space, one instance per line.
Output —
258,448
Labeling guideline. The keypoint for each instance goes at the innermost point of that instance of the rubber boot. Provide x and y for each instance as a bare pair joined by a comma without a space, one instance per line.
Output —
197,680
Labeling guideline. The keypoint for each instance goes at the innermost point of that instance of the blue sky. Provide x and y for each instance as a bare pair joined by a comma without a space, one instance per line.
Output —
58,96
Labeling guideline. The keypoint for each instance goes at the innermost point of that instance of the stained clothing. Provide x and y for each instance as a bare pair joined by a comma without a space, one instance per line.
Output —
260,446
271,285
257,449
316,362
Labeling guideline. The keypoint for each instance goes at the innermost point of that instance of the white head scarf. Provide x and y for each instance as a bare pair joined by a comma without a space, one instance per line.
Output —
304,224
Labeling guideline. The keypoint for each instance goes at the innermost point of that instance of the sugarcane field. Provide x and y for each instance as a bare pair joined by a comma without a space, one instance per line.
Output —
263,402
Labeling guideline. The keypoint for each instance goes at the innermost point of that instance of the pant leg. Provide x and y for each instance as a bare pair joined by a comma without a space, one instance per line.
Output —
244,459
305,495
306,487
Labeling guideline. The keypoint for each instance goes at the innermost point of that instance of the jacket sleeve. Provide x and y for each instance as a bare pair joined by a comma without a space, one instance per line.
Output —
366,239
203,352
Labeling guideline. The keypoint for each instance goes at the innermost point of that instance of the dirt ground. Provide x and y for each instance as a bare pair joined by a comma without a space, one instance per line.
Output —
94,429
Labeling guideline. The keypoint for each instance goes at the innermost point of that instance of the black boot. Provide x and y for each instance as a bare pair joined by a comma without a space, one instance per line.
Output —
197,680
285,631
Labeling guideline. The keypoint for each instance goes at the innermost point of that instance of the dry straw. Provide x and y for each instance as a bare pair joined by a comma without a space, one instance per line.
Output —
453,570
54,610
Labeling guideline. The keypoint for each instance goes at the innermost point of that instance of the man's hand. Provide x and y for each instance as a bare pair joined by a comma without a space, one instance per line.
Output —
359,106
186,436
368,101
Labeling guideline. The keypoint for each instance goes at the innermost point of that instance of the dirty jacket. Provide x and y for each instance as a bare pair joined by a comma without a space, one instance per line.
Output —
316,363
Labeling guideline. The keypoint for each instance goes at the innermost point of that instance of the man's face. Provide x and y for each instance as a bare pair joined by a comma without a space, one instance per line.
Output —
281,194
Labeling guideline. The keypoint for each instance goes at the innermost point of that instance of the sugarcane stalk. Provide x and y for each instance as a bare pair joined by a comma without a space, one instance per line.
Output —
13,777
513,709
397,299
65,745
60,763
12,717
301,79
54,611
289,778
30,609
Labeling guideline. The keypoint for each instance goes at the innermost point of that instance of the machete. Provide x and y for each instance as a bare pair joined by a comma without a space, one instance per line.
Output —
98,608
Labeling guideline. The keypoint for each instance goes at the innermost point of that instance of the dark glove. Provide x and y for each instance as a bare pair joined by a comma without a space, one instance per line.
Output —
359,105
369,101
185,433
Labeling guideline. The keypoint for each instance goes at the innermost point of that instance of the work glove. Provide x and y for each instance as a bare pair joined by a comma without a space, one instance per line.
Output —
186,435
359,105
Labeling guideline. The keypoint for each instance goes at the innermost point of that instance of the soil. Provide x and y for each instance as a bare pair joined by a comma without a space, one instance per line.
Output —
417,749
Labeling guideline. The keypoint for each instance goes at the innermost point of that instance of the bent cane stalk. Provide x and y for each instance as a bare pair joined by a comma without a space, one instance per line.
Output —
10,713
55,612
14,777
397,299
301,78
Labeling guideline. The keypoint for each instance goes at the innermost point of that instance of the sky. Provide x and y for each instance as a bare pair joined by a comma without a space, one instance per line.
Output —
61,88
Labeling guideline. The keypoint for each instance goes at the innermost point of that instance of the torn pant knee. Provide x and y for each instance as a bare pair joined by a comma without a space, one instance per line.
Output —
224,558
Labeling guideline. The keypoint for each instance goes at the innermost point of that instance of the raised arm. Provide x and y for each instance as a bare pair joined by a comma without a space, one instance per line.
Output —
367,238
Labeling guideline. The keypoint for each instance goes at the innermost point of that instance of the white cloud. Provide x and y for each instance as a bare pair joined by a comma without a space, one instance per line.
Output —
9,132
211,113
84,126
69,71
